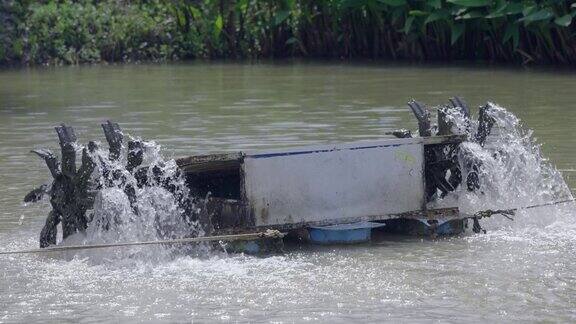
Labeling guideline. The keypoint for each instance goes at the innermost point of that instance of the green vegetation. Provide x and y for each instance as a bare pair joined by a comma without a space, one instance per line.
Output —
71,32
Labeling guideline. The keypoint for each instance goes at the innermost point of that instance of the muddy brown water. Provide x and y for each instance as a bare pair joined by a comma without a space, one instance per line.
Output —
516,272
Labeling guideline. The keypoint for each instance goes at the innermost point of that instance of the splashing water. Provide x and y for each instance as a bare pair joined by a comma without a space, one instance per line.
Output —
126,210
512,173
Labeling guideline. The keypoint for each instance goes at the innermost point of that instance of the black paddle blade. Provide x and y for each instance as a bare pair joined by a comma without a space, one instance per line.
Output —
67,139
459,103
50,159
445,124
114,137
485,124
112,131
135,154
36,194
423,116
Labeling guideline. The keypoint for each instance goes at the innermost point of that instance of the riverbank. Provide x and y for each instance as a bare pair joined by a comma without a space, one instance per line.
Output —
77,32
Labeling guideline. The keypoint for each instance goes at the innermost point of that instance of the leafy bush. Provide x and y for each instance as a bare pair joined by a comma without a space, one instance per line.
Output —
12,16
74,32
518,30
114,30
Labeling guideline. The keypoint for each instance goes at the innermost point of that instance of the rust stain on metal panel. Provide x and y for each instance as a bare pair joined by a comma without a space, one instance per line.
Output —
264,214
450,213
405,156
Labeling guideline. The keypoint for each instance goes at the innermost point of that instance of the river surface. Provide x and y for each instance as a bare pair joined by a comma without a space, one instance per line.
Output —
519,271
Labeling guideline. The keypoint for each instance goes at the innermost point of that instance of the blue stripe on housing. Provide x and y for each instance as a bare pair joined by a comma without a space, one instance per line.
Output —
269,155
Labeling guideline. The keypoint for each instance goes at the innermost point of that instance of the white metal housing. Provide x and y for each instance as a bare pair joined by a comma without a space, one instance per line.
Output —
334,183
